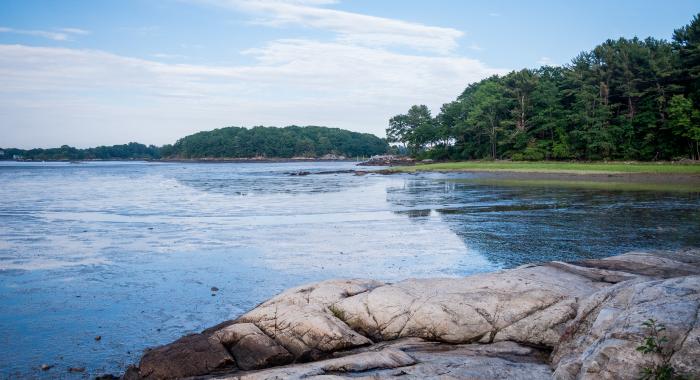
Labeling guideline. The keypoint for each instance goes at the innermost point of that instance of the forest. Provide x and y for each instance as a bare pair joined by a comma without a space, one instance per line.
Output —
287,142
229,142
627,99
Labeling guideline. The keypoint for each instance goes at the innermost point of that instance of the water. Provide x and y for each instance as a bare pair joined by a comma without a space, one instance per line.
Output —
129,251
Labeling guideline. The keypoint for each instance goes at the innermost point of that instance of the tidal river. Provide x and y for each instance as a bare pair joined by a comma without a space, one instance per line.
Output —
130,251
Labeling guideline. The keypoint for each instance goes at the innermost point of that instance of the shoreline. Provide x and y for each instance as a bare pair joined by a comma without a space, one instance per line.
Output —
662,173
250,160
553,319
564,167
580,176
197,160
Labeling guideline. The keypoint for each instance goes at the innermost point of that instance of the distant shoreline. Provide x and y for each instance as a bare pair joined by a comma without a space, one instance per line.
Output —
251,160
198,160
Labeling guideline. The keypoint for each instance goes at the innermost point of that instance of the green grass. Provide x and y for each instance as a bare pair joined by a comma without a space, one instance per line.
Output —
557,167
586,185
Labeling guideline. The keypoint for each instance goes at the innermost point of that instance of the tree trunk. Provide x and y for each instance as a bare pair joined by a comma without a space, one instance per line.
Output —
493,141
630,107
521,119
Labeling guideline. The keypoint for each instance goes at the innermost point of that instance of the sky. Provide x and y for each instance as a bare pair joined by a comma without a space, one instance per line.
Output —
88,73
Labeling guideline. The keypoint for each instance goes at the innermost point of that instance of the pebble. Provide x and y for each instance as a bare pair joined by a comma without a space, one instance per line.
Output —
98,338
214,289
76,369
46,367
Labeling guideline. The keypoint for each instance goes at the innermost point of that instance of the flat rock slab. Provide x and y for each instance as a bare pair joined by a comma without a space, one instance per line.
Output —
417,359
659,264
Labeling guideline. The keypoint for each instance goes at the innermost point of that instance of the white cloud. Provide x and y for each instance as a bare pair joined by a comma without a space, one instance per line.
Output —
50,96
60,34
355,80
353,28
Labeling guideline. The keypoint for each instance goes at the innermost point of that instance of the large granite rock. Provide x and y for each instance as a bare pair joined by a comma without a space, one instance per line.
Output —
528,305
589,314
601,342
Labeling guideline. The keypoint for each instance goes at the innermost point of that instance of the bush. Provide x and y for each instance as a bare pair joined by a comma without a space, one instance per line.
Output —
655,344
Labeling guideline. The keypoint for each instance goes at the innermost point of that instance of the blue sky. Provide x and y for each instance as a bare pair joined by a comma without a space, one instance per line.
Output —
86,73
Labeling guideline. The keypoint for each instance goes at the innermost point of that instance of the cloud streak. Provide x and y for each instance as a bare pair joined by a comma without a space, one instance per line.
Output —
60,34
351,28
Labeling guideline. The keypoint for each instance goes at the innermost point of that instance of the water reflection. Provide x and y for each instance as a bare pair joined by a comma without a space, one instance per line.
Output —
512,223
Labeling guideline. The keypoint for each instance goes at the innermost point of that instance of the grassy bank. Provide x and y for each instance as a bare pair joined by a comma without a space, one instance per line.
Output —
556,167
668,186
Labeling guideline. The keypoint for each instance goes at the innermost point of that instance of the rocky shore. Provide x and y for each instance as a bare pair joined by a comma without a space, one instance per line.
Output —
388,160
580,320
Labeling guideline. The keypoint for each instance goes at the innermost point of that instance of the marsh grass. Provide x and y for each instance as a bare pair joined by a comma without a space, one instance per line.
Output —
557,167
585,185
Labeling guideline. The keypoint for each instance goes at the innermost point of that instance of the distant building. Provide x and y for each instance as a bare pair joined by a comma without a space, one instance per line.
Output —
16,157
2,152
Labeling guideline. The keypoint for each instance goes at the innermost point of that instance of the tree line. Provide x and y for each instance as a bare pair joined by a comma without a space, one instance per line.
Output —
229,142
287,142
130,151
625,99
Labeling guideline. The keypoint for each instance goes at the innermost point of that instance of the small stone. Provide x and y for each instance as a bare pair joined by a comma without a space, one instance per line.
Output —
214,289
46,367
76,369
98,338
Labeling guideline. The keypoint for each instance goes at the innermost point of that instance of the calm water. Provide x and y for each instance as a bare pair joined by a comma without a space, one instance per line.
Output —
129,251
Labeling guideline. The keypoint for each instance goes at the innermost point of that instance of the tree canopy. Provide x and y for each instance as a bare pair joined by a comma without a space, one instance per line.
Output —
625,99
130,151
230,142
292,141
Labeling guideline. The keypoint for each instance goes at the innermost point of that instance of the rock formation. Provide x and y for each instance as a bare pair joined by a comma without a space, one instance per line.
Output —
579,320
